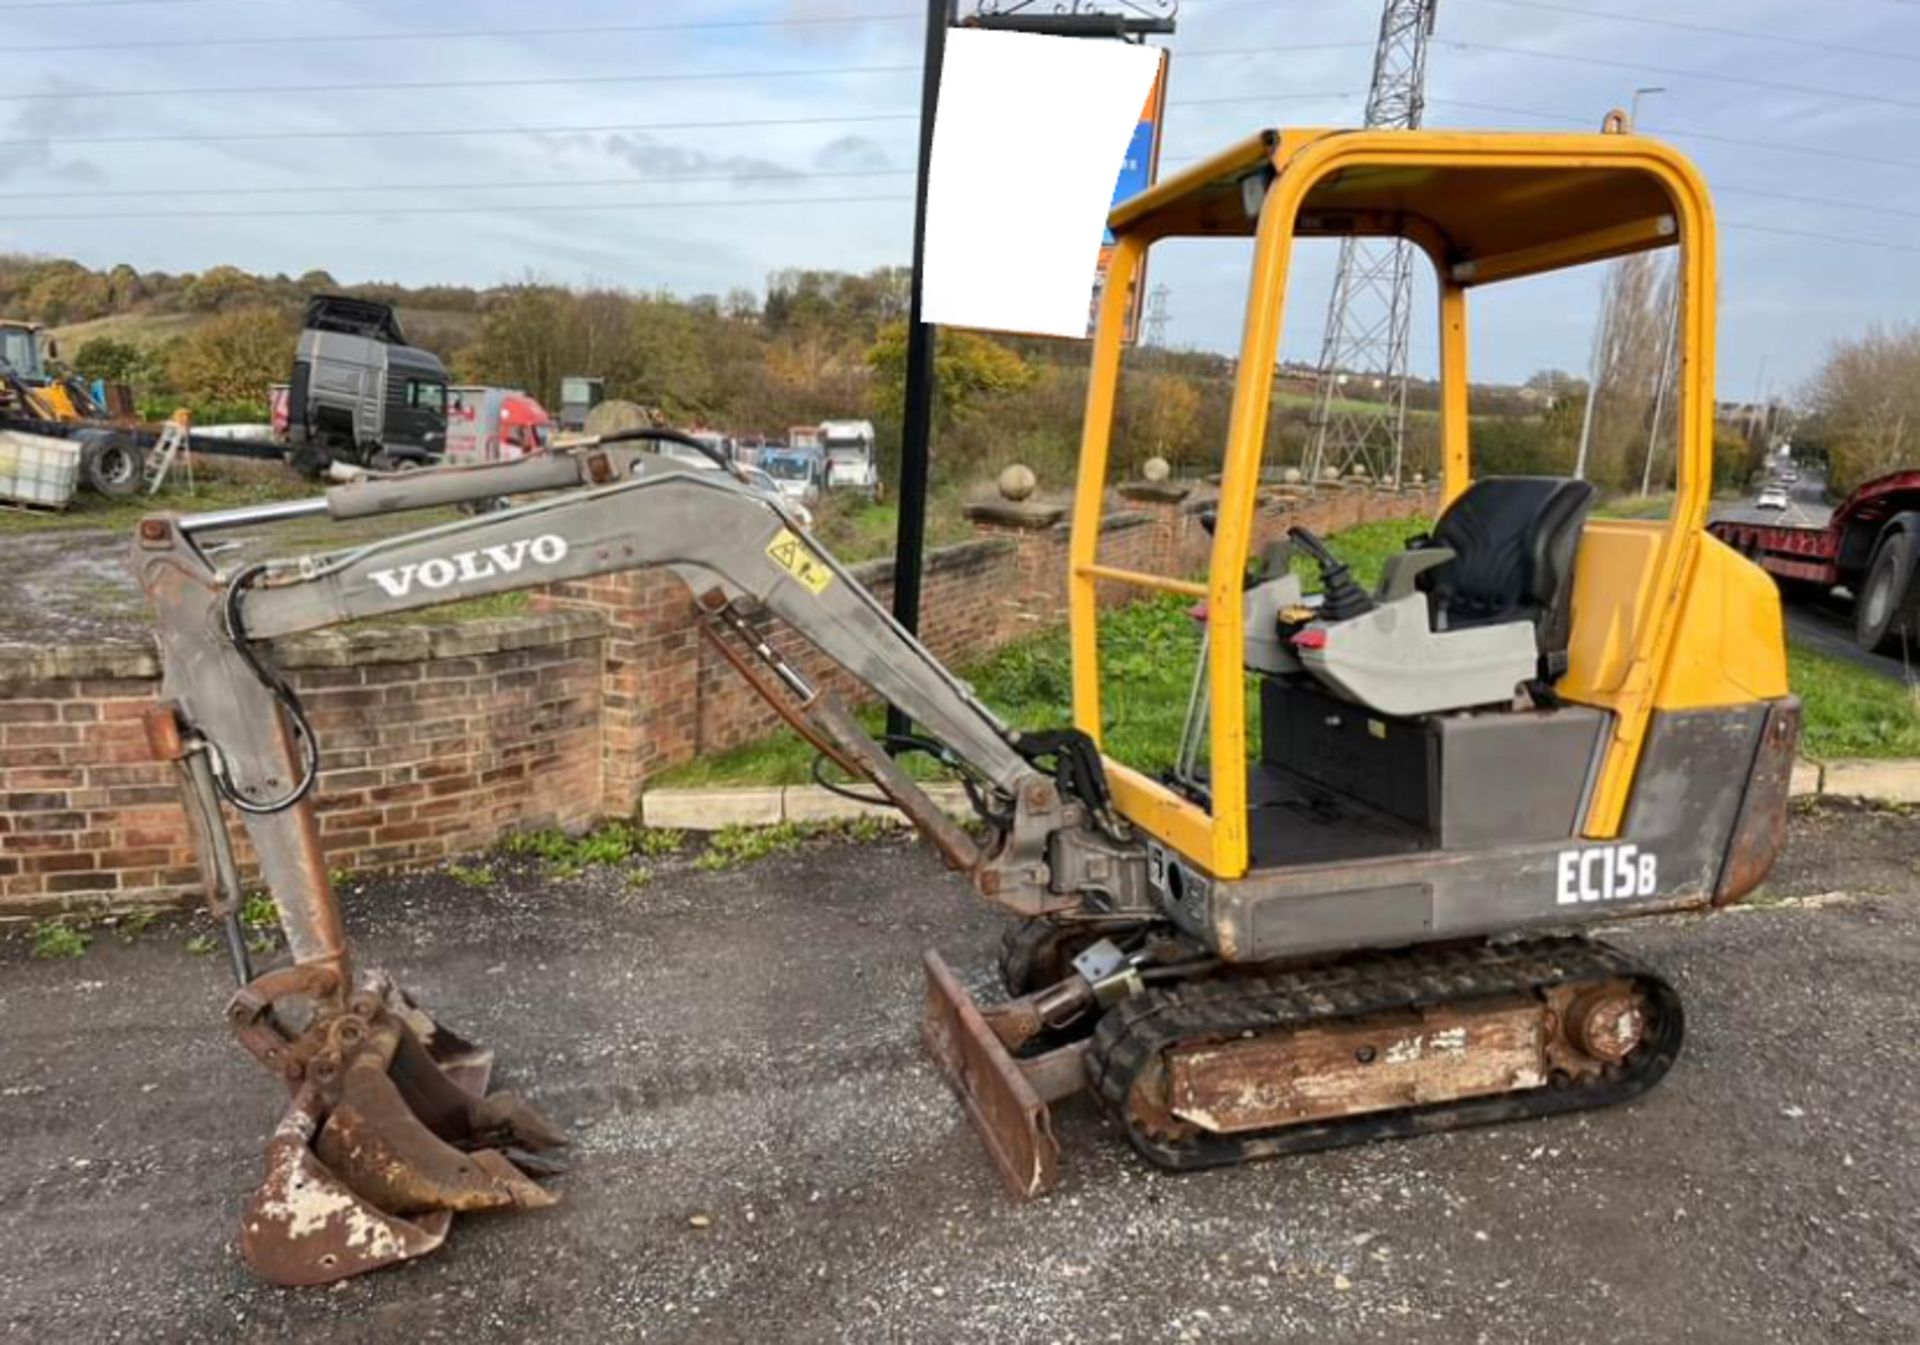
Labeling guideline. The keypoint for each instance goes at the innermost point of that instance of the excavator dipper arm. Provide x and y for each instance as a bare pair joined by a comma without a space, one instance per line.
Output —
390,1129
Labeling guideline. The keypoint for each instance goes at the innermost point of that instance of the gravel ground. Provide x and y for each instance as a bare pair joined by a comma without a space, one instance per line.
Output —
75,586
70,588
739,1046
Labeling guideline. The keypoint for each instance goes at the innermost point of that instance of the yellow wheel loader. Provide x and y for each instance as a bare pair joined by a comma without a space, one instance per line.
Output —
39,395
1372,927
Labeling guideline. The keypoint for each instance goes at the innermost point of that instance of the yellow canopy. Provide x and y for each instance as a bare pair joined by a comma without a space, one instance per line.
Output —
1486,205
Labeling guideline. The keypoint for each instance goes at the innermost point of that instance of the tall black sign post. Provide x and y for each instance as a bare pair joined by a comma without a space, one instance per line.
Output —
916,420
1075,18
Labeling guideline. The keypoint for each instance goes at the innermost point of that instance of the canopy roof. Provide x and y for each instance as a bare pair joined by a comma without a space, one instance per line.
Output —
1486,205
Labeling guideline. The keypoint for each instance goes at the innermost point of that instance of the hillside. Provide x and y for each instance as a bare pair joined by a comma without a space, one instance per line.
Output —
815,345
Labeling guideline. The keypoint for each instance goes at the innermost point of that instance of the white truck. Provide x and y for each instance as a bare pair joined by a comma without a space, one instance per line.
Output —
848,445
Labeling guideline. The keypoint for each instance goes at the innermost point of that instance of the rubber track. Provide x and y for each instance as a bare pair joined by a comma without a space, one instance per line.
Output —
1133,1035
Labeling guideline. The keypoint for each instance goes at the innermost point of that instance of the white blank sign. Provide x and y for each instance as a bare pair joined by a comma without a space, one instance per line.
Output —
1026,148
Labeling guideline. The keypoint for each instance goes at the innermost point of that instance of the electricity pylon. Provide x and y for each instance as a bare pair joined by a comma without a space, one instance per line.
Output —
1360,401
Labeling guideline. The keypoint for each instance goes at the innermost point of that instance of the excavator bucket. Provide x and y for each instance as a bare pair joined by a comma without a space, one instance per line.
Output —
1006,1108
387,1137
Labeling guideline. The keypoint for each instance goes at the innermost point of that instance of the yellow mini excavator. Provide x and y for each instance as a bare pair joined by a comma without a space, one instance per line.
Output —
1371,928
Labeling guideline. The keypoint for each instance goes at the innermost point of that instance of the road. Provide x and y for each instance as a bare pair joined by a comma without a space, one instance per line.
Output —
1823,624
739,1046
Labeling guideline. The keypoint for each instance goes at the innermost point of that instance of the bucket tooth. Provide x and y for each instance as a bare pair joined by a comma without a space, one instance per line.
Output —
377,1145
456,1113
506,1122
304,1226
391,1132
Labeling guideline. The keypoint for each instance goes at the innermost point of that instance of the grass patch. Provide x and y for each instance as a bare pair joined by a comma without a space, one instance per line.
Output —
92,510
1658,505
1364,549
54,940
129,927
1147,655
1850,712
782,759
476,876
854,528
733,846
612,844
259,914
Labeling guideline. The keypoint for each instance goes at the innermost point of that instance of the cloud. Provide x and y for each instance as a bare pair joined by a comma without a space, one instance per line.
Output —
67,115
852,154
655,158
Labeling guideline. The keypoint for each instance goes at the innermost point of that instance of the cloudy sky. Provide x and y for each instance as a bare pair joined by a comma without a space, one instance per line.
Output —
697,145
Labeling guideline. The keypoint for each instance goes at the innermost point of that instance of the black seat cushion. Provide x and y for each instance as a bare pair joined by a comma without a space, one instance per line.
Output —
1514,540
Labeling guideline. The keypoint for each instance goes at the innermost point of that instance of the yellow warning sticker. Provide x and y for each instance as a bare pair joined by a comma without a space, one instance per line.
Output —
791,554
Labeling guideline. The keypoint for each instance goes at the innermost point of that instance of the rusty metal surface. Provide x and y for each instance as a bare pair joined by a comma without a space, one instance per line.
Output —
219,699
391,1130
1007,1112
795,717
839,727
376,1146
303,1226
1347,1069
1607,1022
1761,828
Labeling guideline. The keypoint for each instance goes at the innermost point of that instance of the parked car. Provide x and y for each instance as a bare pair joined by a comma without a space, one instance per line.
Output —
769,485
800,472
1773,497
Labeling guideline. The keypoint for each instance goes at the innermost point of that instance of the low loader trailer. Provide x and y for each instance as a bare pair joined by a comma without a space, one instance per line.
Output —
1869,546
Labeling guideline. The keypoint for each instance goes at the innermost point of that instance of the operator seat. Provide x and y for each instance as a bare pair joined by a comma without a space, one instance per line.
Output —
1513,540
1468,616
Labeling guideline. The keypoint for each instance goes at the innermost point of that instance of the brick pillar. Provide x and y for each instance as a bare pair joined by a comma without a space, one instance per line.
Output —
650,690
1172,510
1038,593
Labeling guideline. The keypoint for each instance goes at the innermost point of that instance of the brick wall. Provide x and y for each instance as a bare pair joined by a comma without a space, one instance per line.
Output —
435,741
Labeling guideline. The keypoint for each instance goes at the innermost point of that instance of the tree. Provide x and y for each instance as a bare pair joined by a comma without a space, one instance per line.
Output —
233,357
124,289
111,361
968,368
522,342
67,292
1636,319
1168,420
664,359
1866,404
221,288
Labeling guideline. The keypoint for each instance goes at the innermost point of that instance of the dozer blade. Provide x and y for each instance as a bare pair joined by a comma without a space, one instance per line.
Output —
1006,1109
304,1226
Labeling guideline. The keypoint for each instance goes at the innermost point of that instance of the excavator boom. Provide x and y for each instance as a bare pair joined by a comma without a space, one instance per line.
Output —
388,1130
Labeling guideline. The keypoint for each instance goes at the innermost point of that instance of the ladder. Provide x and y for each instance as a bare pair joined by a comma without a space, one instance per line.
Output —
171,444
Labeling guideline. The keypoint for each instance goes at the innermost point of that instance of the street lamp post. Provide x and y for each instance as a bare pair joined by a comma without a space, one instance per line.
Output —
916,418
1597,362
